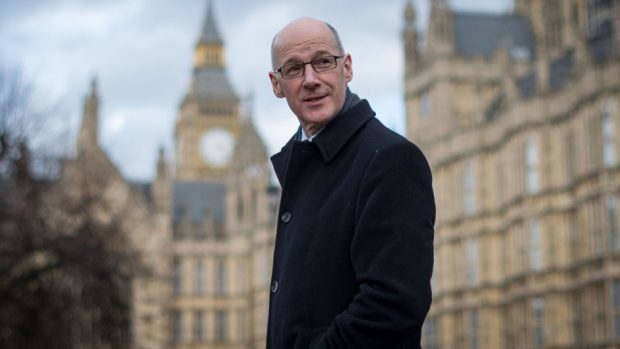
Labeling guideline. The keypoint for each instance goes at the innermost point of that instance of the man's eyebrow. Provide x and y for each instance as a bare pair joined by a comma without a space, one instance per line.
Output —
315,55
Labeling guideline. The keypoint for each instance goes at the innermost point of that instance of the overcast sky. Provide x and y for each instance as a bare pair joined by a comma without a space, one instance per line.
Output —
141,53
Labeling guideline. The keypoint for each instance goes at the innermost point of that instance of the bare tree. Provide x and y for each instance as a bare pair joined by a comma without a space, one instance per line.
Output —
65,269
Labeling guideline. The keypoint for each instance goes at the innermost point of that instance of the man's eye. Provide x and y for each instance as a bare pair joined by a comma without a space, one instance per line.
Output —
322,61
293,68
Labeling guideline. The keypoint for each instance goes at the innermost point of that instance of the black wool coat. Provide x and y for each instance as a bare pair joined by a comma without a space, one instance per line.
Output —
354,246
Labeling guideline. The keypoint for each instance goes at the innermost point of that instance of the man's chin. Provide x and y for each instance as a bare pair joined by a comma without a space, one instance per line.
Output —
319,118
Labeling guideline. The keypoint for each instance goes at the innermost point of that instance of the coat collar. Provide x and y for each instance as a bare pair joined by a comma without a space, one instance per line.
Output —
332,139
338,132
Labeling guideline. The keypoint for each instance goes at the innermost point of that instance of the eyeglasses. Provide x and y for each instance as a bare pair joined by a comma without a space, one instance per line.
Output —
295,70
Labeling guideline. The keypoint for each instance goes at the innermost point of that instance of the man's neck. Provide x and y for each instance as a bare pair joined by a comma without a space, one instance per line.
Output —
350,100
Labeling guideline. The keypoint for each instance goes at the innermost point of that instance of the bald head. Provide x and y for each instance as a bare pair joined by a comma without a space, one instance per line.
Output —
317,89
308,27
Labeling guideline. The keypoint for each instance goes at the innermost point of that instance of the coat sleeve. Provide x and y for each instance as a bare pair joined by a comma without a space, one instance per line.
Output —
391,252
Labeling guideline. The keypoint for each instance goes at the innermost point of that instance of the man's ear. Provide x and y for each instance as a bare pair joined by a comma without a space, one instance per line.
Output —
275,85
348,67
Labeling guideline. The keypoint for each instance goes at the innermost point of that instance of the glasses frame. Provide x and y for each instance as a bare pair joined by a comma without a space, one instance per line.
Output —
312,62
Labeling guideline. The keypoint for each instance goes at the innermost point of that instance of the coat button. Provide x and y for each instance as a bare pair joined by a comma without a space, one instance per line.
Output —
274,286
286,217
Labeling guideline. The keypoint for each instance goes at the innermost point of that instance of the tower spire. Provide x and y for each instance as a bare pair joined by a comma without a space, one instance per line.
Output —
210,46
90,117
210,34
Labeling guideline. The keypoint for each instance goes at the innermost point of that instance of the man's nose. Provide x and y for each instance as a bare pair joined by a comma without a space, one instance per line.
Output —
310,78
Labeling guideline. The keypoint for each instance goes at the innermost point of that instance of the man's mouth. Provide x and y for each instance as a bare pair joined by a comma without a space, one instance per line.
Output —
314,98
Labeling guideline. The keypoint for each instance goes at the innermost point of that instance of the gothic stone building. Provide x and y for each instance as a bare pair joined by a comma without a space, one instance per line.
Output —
519,115
204,227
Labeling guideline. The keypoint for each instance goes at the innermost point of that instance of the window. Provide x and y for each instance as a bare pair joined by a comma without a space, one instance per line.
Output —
612,218
240,208
199,284
242,275
609,137
469,188
199,326
532,165
221,277
535,245
177,277
176,327
221,327
571,153
243,324
425,105
601,323
599,17
573,233
523,247
254,208
501,183
180,222
553,23
538,308
473,327
472,261
596,218
616,311
595,141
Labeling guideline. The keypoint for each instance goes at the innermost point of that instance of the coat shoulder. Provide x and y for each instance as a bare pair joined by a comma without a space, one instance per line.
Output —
379,138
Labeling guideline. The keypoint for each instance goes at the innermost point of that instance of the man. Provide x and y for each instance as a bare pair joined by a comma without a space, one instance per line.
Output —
354,246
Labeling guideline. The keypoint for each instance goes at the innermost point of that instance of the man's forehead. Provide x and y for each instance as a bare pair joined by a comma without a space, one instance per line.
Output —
304,30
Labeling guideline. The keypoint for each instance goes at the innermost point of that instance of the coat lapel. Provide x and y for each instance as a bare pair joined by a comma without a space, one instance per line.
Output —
341,129
331,140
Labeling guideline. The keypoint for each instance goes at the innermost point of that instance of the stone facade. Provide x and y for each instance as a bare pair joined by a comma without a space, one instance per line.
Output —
519,116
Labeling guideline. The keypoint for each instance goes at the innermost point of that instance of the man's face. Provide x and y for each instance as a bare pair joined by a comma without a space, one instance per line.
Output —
314,97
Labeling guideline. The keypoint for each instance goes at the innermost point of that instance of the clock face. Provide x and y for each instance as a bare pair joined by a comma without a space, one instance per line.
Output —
216,147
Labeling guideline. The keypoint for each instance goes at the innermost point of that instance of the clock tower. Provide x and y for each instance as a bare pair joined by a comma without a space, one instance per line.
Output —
208,123
221,204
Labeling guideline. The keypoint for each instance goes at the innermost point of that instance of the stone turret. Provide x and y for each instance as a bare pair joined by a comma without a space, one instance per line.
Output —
410,40
161,186
441,29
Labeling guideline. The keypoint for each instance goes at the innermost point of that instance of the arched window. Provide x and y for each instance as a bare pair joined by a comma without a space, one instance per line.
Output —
199,336
532,166
609,137
538,308
535,245
221,326
199,284
177,276
469,188
221,282
472,261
